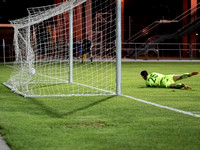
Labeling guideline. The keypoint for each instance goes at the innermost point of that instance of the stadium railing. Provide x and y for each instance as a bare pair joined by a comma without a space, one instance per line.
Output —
7,54
159,51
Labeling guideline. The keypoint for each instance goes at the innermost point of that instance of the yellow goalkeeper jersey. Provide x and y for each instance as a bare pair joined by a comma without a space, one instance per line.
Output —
154,80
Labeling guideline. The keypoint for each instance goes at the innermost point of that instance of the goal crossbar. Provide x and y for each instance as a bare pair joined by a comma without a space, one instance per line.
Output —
52,10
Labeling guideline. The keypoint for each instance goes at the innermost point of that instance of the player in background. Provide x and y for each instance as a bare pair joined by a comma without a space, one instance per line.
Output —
87,46
167,81
79,49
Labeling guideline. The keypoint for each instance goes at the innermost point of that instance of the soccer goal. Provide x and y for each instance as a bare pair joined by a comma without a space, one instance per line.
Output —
68,49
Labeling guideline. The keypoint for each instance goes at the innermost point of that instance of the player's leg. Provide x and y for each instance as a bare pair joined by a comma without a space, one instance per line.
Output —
83,57
186,87
180,85
178,77
193,74
183,76
91,58
90,54
79,53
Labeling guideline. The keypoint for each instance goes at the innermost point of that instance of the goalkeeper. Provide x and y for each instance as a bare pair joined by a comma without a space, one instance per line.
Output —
167,81
87,46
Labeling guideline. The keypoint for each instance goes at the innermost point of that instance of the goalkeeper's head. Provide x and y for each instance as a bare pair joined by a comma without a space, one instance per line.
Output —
144,74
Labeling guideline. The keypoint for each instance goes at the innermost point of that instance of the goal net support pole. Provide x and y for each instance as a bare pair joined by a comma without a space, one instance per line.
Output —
71,45
118,47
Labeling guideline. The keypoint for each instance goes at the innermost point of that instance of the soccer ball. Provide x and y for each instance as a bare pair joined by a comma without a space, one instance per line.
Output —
31,71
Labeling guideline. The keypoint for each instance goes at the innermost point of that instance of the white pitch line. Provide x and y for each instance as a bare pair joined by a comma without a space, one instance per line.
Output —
162,106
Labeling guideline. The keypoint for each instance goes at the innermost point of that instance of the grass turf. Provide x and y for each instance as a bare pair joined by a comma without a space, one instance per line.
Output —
52,79
105,122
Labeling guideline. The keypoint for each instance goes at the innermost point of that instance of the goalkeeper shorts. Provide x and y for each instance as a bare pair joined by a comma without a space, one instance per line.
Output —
166,81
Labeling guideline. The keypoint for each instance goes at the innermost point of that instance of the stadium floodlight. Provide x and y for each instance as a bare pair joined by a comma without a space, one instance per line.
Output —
48,59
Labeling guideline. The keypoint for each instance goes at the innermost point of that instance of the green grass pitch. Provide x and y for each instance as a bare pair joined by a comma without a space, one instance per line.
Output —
106,122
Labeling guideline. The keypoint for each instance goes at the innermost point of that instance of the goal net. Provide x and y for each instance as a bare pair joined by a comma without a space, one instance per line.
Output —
66,49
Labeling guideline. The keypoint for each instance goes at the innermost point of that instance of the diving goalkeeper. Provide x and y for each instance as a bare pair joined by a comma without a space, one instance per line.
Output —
167,81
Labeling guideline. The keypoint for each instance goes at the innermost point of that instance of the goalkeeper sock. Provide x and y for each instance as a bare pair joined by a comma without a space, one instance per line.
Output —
179,86
185,75
83,57
91,59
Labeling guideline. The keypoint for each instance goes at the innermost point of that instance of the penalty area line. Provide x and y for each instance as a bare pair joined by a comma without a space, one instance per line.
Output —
162,106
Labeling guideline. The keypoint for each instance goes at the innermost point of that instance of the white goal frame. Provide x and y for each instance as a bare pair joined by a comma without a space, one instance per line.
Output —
36,18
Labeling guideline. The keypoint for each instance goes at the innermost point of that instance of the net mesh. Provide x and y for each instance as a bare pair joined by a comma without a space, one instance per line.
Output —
42,50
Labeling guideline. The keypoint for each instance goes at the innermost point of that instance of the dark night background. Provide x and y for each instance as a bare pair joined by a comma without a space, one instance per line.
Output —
152,9
145,12
13,9
142,12
158,8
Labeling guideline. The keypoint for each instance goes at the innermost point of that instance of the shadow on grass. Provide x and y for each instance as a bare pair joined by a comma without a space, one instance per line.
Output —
52,113
163,88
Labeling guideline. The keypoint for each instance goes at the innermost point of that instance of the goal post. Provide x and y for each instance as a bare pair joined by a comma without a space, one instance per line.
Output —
71,45
63,50
118,48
